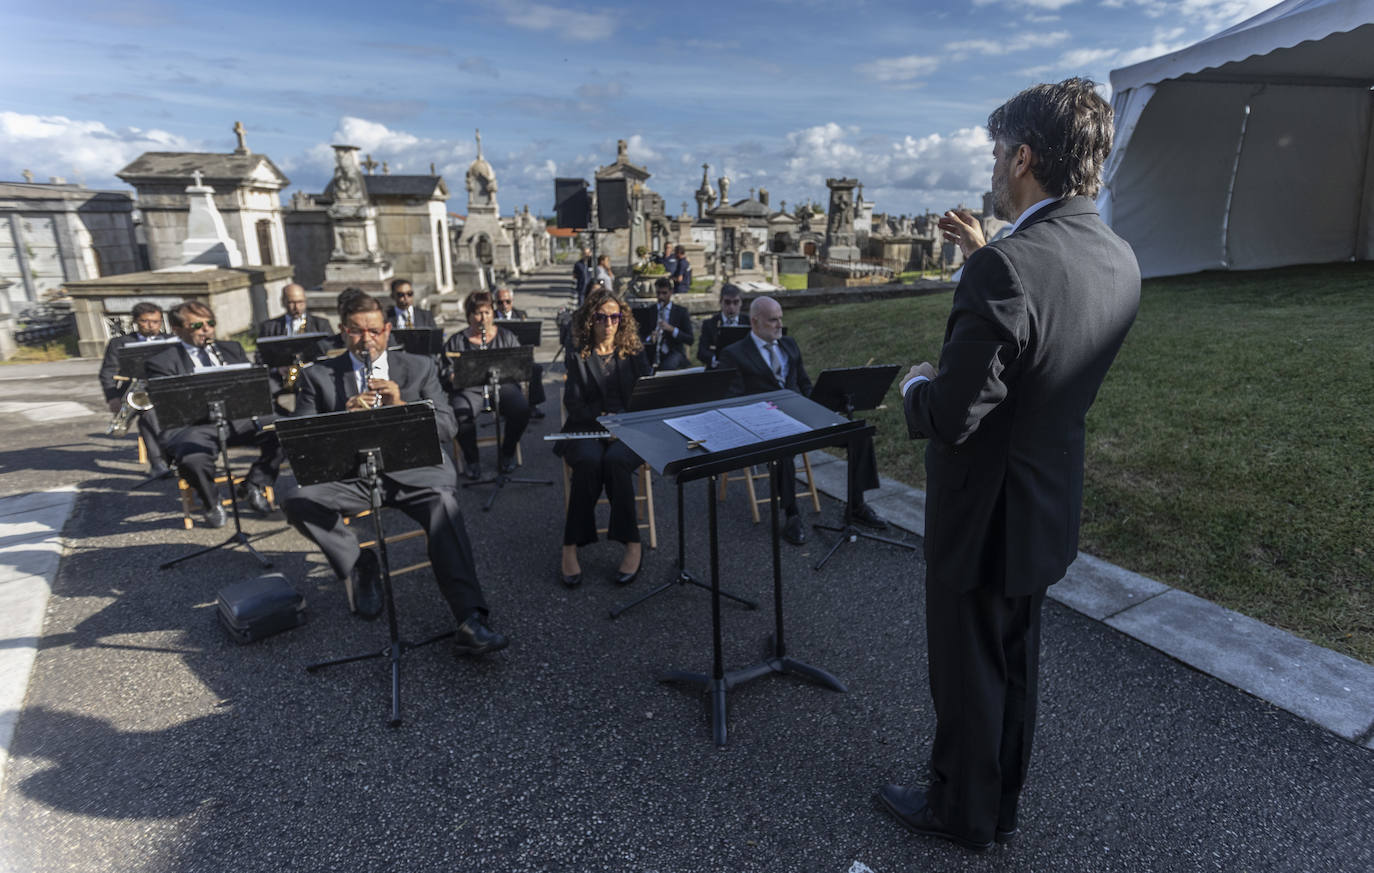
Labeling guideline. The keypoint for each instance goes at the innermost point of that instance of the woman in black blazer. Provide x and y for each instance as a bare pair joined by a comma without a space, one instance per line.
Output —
607,357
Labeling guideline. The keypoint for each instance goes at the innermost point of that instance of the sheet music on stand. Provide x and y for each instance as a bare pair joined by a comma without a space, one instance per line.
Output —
720,429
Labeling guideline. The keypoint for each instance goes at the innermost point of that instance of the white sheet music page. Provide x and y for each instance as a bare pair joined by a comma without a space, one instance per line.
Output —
714,431
765,420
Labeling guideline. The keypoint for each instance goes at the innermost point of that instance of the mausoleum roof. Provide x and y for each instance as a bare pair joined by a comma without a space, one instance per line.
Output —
212,166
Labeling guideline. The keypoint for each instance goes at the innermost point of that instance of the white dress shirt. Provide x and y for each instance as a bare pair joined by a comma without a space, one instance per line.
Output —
380,370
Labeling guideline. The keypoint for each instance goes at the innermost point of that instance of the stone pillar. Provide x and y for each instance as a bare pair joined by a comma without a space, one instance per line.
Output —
841,243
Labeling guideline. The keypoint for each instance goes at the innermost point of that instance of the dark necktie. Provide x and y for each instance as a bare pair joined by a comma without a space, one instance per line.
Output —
204,357
774,363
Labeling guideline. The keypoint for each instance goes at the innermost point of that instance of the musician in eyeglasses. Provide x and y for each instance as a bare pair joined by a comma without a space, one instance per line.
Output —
482,333
371,375
607,357
196,448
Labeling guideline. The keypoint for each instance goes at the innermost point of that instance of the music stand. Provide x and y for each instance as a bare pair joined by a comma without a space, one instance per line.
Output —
132,357
846,389
670,453
490,367
529,331
427,341
217,396
678,389
363,445
285,351
730,334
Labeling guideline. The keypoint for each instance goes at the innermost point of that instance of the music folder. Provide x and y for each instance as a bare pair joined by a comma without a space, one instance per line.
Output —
282,351
854,387
474,367
325,447
185,400
428,341
133,355
528,331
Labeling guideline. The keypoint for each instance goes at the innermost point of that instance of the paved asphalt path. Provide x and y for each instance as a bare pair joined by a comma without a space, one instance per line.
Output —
151,742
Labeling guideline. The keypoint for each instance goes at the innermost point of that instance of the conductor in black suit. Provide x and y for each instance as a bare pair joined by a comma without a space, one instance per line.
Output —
1037,319
295,319
403,313
766,361
196,448
147,319
426,494
670,343
729,316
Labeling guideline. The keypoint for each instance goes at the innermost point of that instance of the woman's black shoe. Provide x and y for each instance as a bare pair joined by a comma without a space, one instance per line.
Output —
569,581
629,578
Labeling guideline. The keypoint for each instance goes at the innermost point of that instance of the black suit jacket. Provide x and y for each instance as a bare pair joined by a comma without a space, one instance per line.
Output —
582,278
517,314
423,318
176,361
710,327
277,326
327,385
752,373
109,367
582,396
679,318
1037,319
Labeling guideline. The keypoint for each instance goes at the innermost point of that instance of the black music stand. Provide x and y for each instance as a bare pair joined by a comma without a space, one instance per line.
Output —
299,349
669,452
490,367
217,396
529,331
362,445
729,335
132,357
845,390
427,341
678,389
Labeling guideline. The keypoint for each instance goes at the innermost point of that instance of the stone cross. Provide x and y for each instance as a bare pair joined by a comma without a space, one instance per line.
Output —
431,169
370,165
195,174
479,143
242,135
386,170
28,176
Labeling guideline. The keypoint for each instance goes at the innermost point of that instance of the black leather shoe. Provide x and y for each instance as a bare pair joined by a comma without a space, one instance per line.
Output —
475,638
473,471
215,516
794,531
569,581
908,806
866,516
508,464
536,412
255,497
158,469
629,578
367,588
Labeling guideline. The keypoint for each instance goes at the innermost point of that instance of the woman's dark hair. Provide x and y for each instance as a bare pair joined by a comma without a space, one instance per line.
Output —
627,340
1068,128
476,300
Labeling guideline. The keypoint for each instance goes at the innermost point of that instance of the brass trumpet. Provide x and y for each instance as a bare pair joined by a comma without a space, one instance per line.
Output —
136,400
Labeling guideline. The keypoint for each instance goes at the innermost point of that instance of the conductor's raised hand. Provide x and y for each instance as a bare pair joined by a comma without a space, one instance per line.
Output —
958,226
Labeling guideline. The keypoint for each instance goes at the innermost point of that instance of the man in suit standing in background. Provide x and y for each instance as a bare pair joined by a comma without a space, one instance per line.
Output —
1037,319
582,275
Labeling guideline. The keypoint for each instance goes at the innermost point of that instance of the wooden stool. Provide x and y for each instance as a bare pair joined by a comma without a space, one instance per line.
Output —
188,496
390,540
750,475
644,502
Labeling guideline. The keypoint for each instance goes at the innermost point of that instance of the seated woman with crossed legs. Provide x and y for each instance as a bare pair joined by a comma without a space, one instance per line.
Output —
607,357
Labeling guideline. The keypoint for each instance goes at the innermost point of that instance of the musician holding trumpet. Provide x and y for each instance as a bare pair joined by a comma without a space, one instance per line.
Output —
367,377
606,359
147,319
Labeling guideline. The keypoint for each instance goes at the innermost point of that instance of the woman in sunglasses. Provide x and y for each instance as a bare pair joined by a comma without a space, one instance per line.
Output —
607,357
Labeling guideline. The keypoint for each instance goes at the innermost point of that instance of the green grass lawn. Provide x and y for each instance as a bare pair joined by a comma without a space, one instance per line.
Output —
1231,449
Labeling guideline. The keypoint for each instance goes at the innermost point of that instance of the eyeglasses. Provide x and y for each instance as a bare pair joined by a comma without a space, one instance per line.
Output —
604,317
356,332
402,293
197,325
506,302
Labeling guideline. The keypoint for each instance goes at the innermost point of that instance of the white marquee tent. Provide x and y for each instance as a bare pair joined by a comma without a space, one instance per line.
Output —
1251,148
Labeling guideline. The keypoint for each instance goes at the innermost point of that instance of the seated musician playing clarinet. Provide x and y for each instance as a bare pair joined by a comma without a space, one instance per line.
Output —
482,333
605,359
370,375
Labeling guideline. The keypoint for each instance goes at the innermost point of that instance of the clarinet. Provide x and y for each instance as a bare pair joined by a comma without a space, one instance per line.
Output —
214,353
366,358
486,388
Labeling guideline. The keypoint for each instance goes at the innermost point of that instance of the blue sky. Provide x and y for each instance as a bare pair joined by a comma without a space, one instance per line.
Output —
774,93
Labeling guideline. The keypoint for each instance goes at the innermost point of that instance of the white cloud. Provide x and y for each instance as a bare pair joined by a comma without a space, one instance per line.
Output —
1018,43
403,152
1212,15
1083,58
902,69
572,23
79,150
1051,5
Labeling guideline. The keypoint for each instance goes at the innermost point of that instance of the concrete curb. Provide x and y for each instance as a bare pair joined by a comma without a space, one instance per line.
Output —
30,548
1322,686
